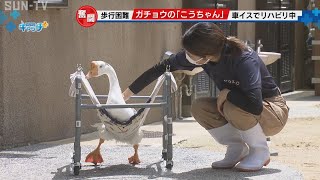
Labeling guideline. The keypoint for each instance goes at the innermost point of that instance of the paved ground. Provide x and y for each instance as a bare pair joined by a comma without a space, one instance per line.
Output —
44,161
303,104
51,160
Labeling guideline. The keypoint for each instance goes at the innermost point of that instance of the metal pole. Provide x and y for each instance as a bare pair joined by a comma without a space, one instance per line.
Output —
169,162
164,123
165,111
77,147
86,96
115,106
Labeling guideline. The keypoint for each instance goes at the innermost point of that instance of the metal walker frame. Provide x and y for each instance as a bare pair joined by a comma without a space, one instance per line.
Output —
165,103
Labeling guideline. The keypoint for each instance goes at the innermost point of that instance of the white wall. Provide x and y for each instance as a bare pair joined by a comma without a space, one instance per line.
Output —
246,31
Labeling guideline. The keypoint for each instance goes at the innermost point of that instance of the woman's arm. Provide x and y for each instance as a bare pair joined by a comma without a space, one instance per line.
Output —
250,101
175,62
248,96
150,75
127,94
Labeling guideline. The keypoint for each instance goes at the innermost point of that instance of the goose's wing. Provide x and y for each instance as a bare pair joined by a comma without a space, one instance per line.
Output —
122,114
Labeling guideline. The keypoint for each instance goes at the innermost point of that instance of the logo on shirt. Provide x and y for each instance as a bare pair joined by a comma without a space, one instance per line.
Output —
233,82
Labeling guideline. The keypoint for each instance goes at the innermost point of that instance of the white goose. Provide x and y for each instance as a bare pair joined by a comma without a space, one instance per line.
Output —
97,69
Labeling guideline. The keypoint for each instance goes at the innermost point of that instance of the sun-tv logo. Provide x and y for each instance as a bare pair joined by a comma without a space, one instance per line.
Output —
18,5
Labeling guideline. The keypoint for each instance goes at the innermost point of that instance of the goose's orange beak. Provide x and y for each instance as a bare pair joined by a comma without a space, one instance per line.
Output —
93,72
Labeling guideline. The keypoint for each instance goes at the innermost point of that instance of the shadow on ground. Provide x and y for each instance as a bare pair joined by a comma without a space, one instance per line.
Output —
155,171
30,148
14,155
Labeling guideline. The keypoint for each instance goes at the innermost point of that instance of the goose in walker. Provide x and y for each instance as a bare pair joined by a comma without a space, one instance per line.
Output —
120,124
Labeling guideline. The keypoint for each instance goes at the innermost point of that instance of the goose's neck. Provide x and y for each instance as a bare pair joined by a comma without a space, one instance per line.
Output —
114,85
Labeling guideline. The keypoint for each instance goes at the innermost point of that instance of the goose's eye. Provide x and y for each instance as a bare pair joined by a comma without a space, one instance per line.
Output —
101,66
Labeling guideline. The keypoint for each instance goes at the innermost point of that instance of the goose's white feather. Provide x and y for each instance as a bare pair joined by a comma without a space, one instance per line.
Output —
115,93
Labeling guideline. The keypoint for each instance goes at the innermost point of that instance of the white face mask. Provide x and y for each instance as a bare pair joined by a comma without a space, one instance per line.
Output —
195,62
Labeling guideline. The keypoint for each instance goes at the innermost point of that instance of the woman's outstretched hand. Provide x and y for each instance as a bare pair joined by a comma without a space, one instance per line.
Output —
127,94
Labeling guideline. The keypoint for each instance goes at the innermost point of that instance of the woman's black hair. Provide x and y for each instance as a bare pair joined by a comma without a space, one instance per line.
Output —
206,38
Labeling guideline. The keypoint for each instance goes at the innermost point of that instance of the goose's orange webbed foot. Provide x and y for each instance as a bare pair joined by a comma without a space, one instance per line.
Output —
135,158
95,156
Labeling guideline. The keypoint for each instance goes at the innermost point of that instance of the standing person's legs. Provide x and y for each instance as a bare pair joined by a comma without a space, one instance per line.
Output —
254,129
205,111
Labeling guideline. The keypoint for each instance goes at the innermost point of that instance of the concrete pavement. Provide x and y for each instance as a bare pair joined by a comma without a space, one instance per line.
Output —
44,161
50,160
303,104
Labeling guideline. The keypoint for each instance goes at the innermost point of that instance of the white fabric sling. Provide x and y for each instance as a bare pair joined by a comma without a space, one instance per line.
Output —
110,129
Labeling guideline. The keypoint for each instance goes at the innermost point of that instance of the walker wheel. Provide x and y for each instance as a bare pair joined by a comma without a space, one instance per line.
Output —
76,170
169,165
